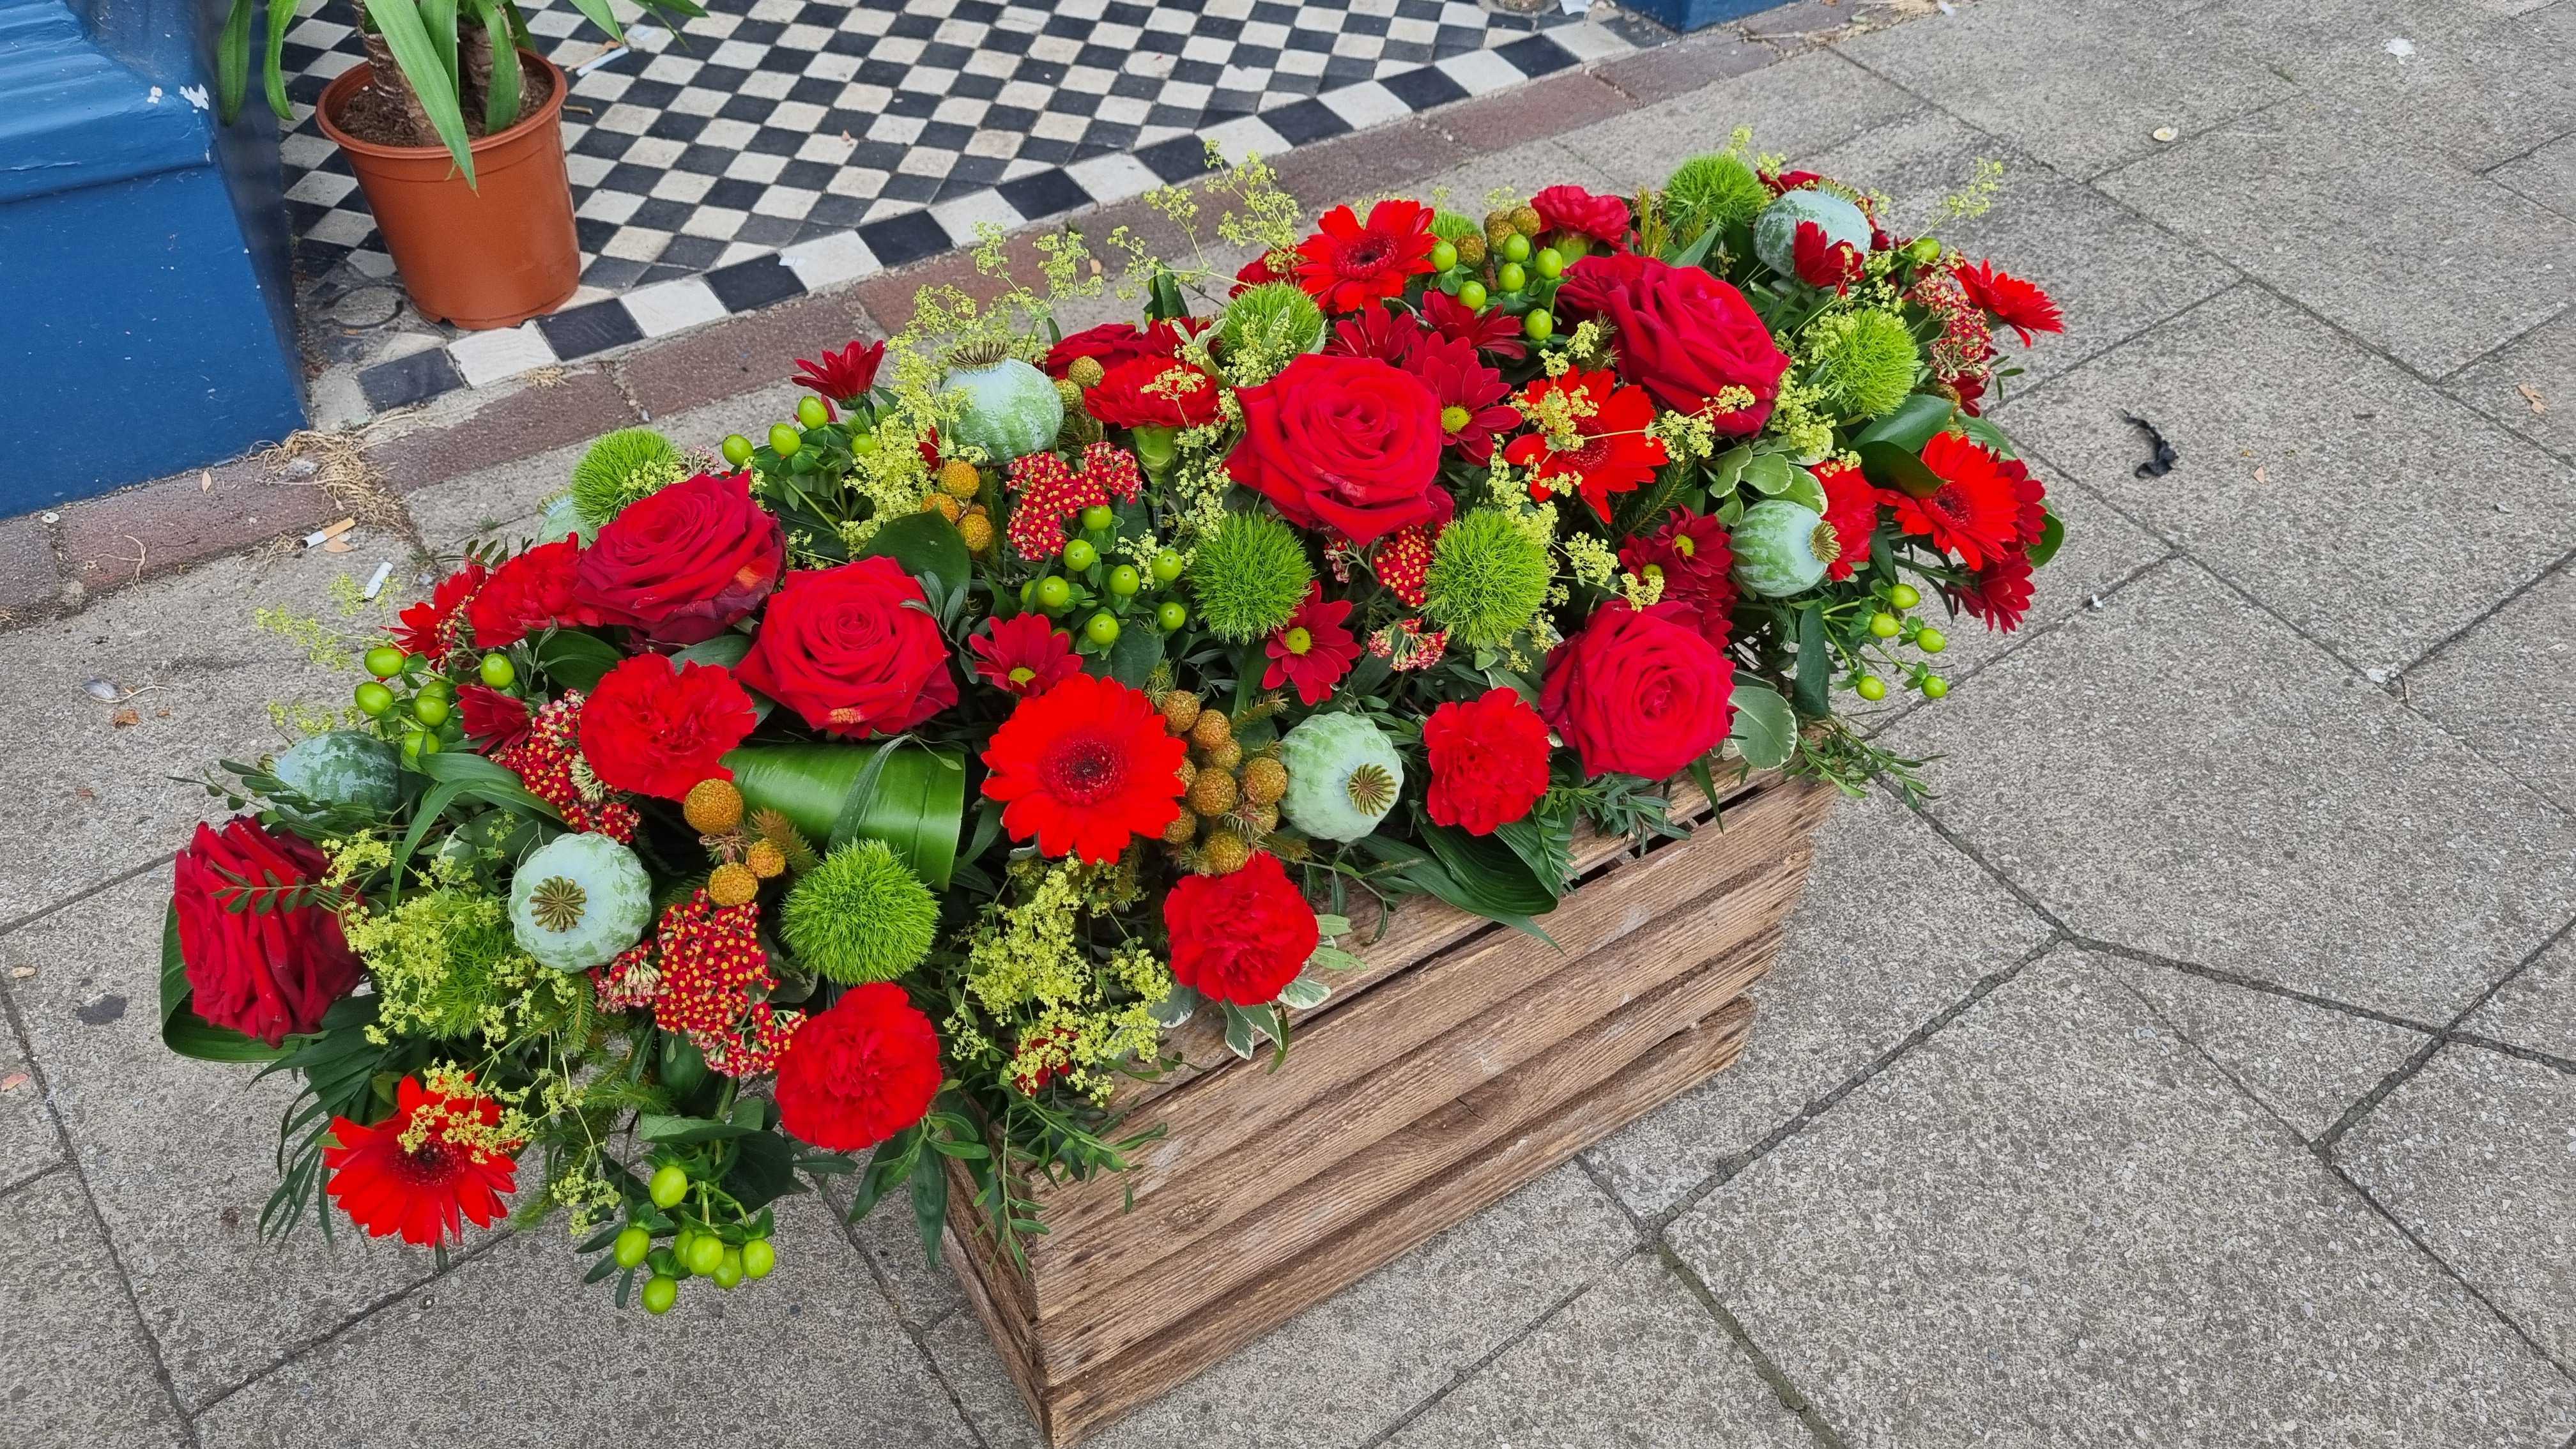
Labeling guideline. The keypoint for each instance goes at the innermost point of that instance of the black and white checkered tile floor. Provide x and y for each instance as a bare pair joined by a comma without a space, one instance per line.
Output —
780,146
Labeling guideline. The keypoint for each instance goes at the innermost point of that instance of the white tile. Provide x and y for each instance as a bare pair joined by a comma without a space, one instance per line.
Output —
830,260
1113,178
612,207
488,357
963,215
1589,42
684,186
1244,137
1481,71
668,307
1366,104
718,223
322,188
753,166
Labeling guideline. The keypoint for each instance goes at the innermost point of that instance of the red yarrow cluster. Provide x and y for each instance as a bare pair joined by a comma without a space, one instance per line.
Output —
549,762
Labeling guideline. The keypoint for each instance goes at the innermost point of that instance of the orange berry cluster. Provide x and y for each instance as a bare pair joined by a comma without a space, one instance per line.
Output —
1232,798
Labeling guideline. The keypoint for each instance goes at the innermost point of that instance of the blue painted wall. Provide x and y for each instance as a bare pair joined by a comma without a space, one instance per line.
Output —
146,313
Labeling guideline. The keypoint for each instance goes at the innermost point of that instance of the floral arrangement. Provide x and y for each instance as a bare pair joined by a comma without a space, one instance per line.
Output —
895,782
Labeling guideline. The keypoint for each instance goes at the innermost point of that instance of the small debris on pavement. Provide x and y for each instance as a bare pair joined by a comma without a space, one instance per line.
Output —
2162,463
13,1081
2164,133
2401,48
102,689
328,532
205,480
2531,395
125,718
2259,478
21,973
376,581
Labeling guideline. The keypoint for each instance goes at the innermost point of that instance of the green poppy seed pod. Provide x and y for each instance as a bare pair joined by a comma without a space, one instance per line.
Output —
578,900
1343,776
1775,233
1781,548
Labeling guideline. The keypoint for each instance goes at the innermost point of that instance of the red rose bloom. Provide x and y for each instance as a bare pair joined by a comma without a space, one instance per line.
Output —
491,719
1240,937
1610,453
1154,392
1573,209
1348,264
1112,343
860,1072
436,1164
1851,506
265,974
1346,444
531,592
1821,262
1475,402
1695,560
1489,330
2015,303
844,376
1641,693
1085,767
1024,654
436,626
1998,594
1975,514
1683,335
683,565
1314,649
656,727
1488,761
847,648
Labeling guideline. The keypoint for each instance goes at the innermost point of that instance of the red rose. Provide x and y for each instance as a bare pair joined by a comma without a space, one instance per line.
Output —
1639,693
1348,444
526,594
1571,208
1683,335
860,1072
684,564
1241,937
845,648
1488,761
265,974
1154,392
657,727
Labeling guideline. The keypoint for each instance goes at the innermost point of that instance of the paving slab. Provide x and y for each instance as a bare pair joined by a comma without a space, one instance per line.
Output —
2354,500
1635,1362
2546,174
2529,385
182,653
2476,1154
1896,927
2111,271
2536,1009
2307,1063
1344,1370
511,1349
2054,1224
2272,816
2082,88
29,1142
80,1370
2508,687
494,505
924,1295
2453,266
1799,107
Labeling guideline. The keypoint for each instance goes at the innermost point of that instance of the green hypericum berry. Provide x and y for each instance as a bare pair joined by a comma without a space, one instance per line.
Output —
1931,641
811,412
659,1294
374,699
1934,686
859,916
632,1245
669,1183
1079,554
1472,295
384,661
1904,596
1870,687
1101,629
737,450
1444,255
1170,615
619,469
1275,320
1249,576
1865,362
1166,567
1884,625
1715,190
1098,518
1487,579
1512,276
784,440
1124,581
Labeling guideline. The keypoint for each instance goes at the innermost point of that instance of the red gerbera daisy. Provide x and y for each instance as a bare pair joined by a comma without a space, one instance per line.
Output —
1380,332
1610,451
1489,330
1024,654
1851,506
2030,524
437,624
1314,649
1085,766
844,376
2015,303
1693,557
1153,392
1974,514
1349,264
1998,594
437,1163
1474,400
1822,262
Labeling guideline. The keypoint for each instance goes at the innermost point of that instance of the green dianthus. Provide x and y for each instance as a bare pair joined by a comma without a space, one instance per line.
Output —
619,469
1249,576
862,915
1863,362
1714,190
1270,324
1487,579
1449,226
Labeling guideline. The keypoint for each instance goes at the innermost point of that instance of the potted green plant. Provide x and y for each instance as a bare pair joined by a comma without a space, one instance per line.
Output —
454,127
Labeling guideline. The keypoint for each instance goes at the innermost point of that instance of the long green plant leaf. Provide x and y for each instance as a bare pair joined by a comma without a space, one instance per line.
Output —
185,1032
232,59
432,79
909,796
281,19
501,101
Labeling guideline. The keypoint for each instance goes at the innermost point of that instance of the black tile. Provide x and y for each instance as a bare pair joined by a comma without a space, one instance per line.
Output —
904,187
615,273
704,160
755,283
606,145
652,95
664,272
977,88
1536,55
1046,152
766,231
594,234
1422,89
943,56
592,327
759,32
912,26
807,175
733,192
673,126
907,238
1177,159
1015,119
1044,194
697,253
407,380
814,90
754,109
661,214
837,211
777,141
1304,121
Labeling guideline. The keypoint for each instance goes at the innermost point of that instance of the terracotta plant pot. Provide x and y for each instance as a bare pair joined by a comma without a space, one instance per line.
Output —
489,255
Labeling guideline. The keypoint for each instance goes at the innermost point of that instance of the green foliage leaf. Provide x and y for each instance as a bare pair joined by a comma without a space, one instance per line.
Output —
1911,425
1138,652
930,1209
281,19
1802,488
1766,729
1892,466
575,659
1815,664
906,794
432,78
926,545
1770,474
887,1168
232,59
2052,536
1491,871
763,1171
190,1035
670,1130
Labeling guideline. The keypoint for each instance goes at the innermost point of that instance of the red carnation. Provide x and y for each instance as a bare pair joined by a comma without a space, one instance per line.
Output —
656,727
1784,182
1683,335
437,1163
1240,937
1024,654
1112,343
1822,262
1154,392
531,592
1488,761
436,626
1639,691
844,376
2015,303
860,1072
1610,452
853,650
1265,268
1314,649
1998,594
684,564
266,974
1573,209
1851,506
1693,557
491,719
1975,514
1374,331
1475,402
1488,329
1345,444
1085,767
1349,264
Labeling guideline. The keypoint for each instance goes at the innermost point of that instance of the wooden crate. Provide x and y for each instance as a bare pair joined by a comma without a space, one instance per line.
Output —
1463,1060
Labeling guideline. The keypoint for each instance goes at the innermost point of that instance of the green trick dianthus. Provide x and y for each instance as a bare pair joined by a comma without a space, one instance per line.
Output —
1449,226
1249,576
1864,362
1272,322
860,916
619,469
1713,190
1487,579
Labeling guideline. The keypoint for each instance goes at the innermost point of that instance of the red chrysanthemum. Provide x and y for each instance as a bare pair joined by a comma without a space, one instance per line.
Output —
1403,563
1823,262
491,719
1475,402
1851,506
844,376
2015,303
1084,767
1610,452
1024,654
1154,392
1240,937
1572,209
1974,514
1695,561
1488,761
1374,331
1999,593
1314,649
1349,263
436,1164
1487,330
530,592
436,626
655,727
860,1072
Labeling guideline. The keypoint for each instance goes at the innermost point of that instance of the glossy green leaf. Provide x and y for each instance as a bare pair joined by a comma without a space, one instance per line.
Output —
1501,882
1815,664
1766,729
668,1129
1139,649
930,1208
1769,473
913,799
431,78
1912,424
190,1035
926,545
763,1171
232,57
1985,432
2052,535
1891,466
575,659
501,101
1803,489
